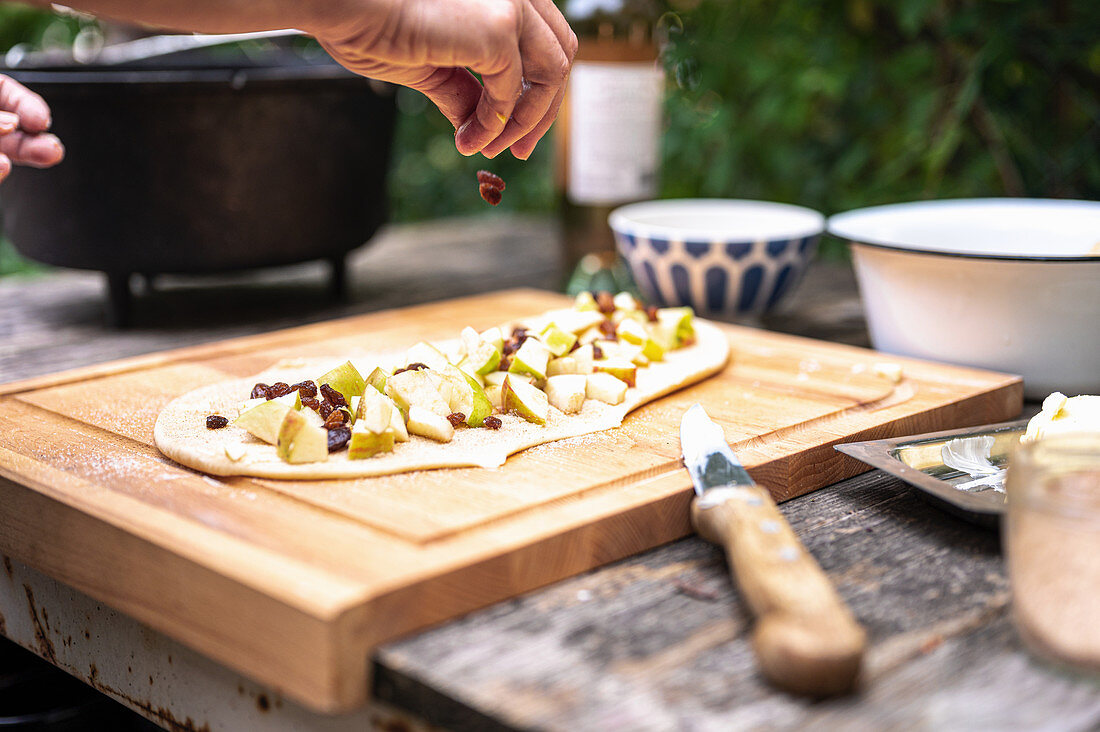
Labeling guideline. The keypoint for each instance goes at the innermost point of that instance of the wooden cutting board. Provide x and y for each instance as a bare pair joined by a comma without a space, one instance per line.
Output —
292,583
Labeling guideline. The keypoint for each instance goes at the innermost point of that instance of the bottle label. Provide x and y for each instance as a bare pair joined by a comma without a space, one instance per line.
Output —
614,131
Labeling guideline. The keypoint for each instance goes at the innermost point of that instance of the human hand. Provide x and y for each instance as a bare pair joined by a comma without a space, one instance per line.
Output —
522,49
24,119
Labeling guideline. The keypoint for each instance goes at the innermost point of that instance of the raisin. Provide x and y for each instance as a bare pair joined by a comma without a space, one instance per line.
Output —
505,363
216,422
331,395
260,391
608,329
414,366
278,389
491,195
456,418
325,409
651,313
338,438
510,347
305,388
519,334
576,345
492,423
336,418
597,352
605,302
490,179
312,403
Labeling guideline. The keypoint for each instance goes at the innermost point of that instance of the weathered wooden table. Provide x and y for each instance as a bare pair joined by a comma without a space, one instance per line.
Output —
658,641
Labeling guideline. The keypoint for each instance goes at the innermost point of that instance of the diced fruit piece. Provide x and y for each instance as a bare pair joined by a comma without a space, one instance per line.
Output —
625,301
428,424
469,340
300,440
525,400
265,419
652,350
396,421
365,444
557,341
497,378
674,327
563,365
375,412
410,388
482,358
621,369
493,393
531,358
585,301
345,379
585,356
234,451
605,388
591,335
632,331
494,337
428,355
481,406
572,321
567,392
377,379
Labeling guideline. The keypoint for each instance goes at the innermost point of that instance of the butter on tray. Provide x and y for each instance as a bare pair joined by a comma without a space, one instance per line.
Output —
1063,415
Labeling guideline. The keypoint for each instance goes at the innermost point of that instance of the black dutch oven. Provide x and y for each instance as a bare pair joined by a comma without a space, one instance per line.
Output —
203,167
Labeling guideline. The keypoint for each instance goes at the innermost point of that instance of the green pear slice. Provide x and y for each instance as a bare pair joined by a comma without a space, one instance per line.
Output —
674,327
620,368
429,424
366,444
481,359
559,342
605,388
525,400
632,331
584,356
345,379
567,392
428,355
377,379
585,301
410,388
395,423
626,301
493,392
531,358
265,418
494,337
300,441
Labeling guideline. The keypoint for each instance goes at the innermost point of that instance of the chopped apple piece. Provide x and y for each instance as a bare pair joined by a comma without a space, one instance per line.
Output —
525,400
621,369
605,388
674,327
410,388
531,358
377,379
365,443
482,358
572,321
300,441
493,394
626,301
567,392
264,419
563,365
631,331
428,424
557,341
494,337
345,379
585,301
585,356
374,430
395,422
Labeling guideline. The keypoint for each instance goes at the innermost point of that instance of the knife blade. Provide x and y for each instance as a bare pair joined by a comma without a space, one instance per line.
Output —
806,639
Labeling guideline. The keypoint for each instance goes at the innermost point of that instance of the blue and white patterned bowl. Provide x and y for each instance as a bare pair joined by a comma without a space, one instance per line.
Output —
726,258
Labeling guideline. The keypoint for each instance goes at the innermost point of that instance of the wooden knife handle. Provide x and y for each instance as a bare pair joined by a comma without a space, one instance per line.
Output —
806,639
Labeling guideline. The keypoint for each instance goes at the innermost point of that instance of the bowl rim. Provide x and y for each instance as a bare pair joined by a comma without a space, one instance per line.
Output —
619,220
837,221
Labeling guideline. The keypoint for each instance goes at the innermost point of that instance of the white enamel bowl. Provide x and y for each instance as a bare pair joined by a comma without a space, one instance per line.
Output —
726,258
1007,284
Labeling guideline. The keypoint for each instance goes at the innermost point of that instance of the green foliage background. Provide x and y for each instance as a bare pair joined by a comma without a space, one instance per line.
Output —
832,104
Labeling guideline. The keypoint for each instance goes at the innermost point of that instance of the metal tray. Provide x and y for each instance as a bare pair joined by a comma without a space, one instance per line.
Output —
917,460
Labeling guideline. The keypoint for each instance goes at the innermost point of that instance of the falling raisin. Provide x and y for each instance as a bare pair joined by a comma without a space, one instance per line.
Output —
651,313
278,389
605,302
260,391
338,438
490,186
216,422
305,388
331,395
492,423
311,403
336,418
456,418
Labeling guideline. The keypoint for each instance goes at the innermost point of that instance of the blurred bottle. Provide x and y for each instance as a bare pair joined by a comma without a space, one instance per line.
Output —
608,132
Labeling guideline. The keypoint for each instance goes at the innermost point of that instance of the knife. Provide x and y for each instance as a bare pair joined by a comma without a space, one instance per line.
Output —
806,639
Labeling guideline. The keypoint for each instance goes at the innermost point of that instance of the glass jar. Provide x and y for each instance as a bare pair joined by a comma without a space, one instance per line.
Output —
1052,541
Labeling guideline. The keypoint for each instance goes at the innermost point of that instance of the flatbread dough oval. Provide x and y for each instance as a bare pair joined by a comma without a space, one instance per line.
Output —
181,432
